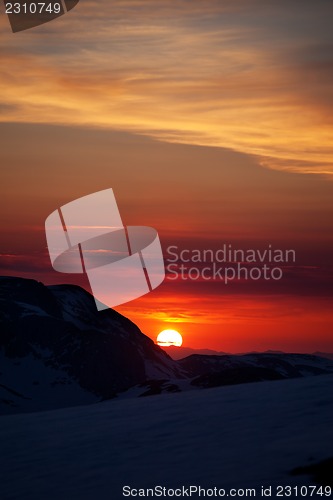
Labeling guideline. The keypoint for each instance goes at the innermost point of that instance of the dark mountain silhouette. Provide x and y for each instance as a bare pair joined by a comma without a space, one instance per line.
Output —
57,350
276,366
180,353
184,352
328,355
213,371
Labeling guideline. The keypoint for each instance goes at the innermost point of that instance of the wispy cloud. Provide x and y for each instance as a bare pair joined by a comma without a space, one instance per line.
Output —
255,78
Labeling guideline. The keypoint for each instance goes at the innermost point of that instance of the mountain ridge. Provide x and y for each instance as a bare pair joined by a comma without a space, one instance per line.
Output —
57,350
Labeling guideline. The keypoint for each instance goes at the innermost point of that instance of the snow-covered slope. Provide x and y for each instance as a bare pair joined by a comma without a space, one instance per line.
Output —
245,436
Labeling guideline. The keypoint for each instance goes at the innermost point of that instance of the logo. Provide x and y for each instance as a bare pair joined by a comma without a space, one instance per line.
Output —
23,14
87,236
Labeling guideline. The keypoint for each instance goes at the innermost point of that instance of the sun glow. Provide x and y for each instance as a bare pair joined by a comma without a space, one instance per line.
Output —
168,338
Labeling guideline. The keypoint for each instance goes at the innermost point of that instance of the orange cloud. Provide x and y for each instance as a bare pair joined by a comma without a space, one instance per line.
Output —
197,73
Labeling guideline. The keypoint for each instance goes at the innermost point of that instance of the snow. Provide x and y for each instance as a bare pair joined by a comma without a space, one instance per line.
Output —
30,310
32,382
237,436
158,369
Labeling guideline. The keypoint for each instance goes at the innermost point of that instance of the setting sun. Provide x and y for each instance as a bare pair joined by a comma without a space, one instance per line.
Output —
168,338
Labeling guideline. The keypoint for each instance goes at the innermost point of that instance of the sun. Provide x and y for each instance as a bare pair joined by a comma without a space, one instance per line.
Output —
167,338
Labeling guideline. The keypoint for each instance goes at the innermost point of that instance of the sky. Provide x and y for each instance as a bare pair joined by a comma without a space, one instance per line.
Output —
212,122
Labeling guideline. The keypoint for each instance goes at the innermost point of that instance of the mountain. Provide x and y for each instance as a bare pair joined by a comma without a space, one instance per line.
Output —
180,353
213,371
184,352
328,355
57,350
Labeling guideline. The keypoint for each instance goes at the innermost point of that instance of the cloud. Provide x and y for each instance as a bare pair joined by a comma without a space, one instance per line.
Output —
254,78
